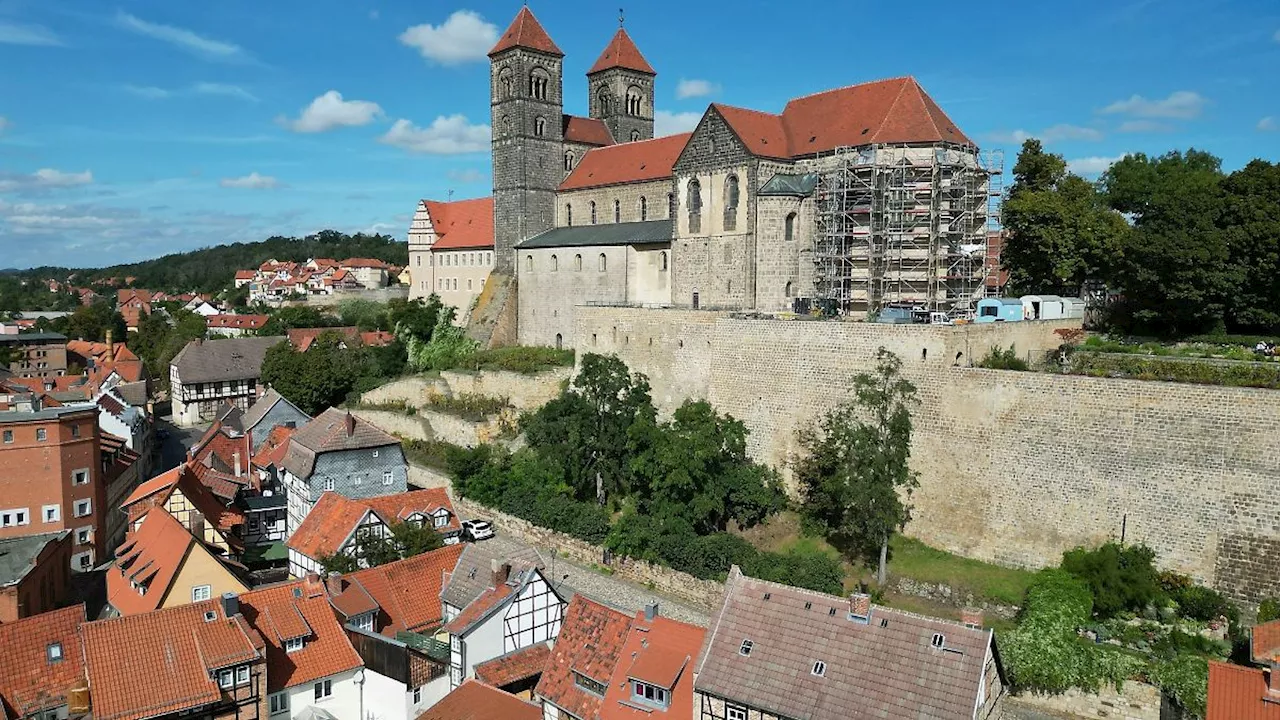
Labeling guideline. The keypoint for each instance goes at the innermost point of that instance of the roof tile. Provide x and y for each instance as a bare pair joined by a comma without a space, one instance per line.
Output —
474,700
621,52
29,682
1239,693
590,643
525,31
630,162
461,224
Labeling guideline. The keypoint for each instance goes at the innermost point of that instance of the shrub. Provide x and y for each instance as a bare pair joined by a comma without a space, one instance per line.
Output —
1201,603
806,568
434,454
1269,610
1119,577
525,360
1185,679
1141,367
998,359
469,406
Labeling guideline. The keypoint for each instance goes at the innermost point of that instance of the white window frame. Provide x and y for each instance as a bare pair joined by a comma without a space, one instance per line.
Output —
292,645
440,520
87,532
226,679
387,477
279,703
88,506
80,473
84,560
364,621
242,675
734,712
51,513
328,484
200,593
322,690
15,517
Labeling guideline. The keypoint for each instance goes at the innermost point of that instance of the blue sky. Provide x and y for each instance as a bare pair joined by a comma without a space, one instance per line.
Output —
140,127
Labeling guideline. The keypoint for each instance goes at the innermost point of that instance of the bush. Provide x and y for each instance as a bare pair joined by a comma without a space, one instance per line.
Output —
1269,610
800,567
469,406
998,359
435,454
1201,603
1185,679
1140,367
1119,577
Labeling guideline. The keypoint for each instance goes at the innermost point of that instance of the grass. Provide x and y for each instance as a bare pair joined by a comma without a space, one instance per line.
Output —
520,359
469,406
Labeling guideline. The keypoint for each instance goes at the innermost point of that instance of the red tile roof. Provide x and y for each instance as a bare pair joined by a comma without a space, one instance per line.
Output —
526,32
627,163
661,652
335,517
245,275
474,700
462,223
149,557
1265,641
621,52
590,643
160,662
303,338
514,666
245,322
407,592
588,131
272,450
1239,693
763,133
479,608
376,338
217,443
164,481
28,681
364,262
278,613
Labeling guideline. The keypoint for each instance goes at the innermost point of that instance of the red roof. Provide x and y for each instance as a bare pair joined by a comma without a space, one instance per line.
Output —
526,32
474,700
660,652
363,262
150,557
627,163
28,681
1265,640
376,338
515,666
763,133
590,643
462,223
303,338
231,452
272,450
335,517
479,608
163,662
245,274
588,131
247,322
407,592
1240,693
621,52
278,612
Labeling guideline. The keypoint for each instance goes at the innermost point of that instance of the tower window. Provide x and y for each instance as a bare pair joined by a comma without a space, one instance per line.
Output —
695,206
731,203
635,135
504,84
644,209
538,82
788,290
664,261
568,161
790,225
539,126
593,212
602,100
635,99
617,211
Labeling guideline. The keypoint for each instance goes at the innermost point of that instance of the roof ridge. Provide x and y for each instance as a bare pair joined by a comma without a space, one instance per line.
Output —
850,87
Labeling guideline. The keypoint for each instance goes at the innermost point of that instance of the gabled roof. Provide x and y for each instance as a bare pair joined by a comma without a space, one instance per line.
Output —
244,322
303,338
296,607
461,224
621,52
227,359
761,132
473,573
661,652
480,609
335,517
150,557
29,682
526,32
259,409
163,662
892,666
333,430
588,131
1264,641
589,644
474,700
217,448
515,666
640,161
272,450
407,592
245,274
1239,693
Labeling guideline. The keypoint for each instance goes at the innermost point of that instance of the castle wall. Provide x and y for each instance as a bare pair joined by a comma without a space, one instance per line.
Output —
1015,467
628,196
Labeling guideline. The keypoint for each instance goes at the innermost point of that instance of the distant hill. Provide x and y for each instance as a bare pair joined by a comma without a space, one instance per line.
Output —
213,268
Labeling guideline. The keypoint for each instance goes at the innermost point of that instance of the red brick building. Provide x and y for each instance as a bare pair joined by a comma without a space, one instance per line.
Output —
51,478
35,574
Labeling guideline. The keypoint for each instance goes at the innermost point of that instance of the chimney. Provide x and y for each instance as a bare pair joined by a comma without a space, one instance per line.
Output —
333,583
236,457
650,611
860,605
972,618
230,604
111,349
351,425
500,571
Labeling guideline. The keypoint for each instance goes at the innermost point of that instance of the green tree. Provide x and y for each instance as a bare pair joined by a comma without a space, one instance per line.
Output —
1251,229
316,379
1120,577
854,473
404,540
91,322
446,346
296,316
364,314
417,317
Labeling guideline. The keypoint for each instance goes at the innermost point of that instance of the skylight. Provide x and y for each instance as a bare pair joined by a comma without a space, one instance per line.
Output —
745,649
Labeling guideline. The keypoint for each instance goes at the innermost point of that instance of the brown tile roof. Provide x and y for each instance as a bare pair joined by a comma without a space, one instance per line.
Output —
225,359
474,700
335,517
661,652
627,163
326,649
217,442
244,322
163,482
514,666
29,682
622,52
407,592
1239,693
160,662
763,133
272,450
526,32
333,430
150,557
888,667
245,275
303,338
479,609
363,263
399,507
224,486
588,131
590,644
376,338
461,224
1265,641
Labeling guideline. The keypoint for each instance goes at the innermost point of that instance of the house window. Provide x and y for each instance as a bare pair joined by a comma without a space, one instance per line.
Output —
53,652
226,679
664,261
586,683
8,436
242,675
84,536
364,622
84,561
617,211
789,231
79,477
604,262
555,263
577,263
84,508
52,513
386,478
819,669
734,712
75,431
593,212
938,640
294,645
201,593
323,690
41,435
440,520
731,203
328,484
644,209
279,703
695,206
648,694
417,695
745,648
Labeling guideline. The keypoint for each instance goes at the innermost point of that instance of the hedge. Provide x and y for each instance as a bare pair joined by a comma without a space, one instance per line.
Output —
1141,367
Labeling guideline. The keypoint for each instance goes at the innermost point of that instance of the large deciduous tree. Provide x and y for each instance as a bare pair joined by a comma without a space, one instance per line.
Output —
1251,229
854,473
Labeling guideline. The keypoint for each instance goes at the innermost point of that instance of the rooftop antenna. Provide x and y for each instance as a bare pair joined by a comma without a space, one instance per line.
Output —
621,17
450,198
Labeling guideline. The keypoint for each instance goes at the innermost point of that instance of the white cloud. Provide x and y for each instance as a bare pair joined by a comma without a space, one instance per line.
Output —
43,179
1182,104
447,135
467,176
1092,165
1143,126
669,123
252,181
463,37
14,34
147,91
235,91
695,88
330,111
1056,133
1011,137
1266,124
182,38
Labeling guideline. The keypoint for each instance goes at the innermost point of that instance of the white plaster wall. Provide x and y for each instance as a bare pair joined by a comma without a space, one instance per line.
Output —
344,703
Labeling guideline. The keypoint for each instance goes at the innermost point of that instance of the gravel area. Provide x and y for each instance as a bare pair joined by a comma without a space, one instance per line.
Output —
571,578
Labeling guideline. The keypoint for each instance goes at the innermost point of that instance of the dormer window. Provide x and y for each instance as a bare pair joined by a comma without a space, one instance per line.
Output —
441,519
938,640
53,653
363,621
586,683
294,645
647,694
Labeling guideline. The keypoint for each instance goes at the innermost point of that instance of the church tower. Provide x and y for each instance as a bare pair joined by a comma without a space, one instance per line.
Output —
621,90
526,96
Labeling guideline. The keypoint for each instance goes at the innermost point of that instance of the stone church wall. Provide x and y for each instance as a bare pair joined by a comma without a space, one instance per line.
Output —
1014,467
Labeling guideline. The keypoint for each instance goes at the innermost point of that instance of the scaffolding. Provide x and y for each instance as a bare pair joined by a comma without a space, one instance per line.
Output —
993,162
901,224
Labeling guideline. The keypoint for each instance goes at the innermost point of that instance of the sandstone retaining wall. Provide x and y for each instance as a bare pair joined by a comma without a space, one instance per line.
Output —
523,391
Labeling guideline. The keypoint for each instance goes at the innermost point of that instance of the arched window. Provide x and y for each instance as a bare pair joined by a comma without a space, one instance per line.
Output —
604,262
577,263
731,202
617,211
788,291
664,261
644,209
789,231
559,341
506,125
568,214
504,84
671,206
528,263
602,99
568,161
593,212
635,135
635,97
555,263
538,82
539,126
695,206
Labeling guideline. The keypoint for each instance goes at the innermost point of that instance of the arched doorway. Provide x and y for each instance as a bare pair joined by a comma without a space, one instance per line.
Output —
559,342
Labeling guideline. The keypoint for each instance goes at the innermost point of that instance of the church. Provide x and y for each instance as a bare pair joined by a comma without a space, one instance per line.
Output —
843,202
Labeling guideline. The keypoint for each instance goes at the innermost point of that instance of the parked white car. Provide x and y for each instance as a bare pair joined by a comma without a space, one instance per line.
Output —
474,530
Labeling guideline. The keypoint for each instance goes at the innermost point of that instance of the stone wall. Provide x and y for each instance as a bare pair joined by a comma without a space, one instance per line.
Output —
431,425
627,196
1135,701
1014,467
523,391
